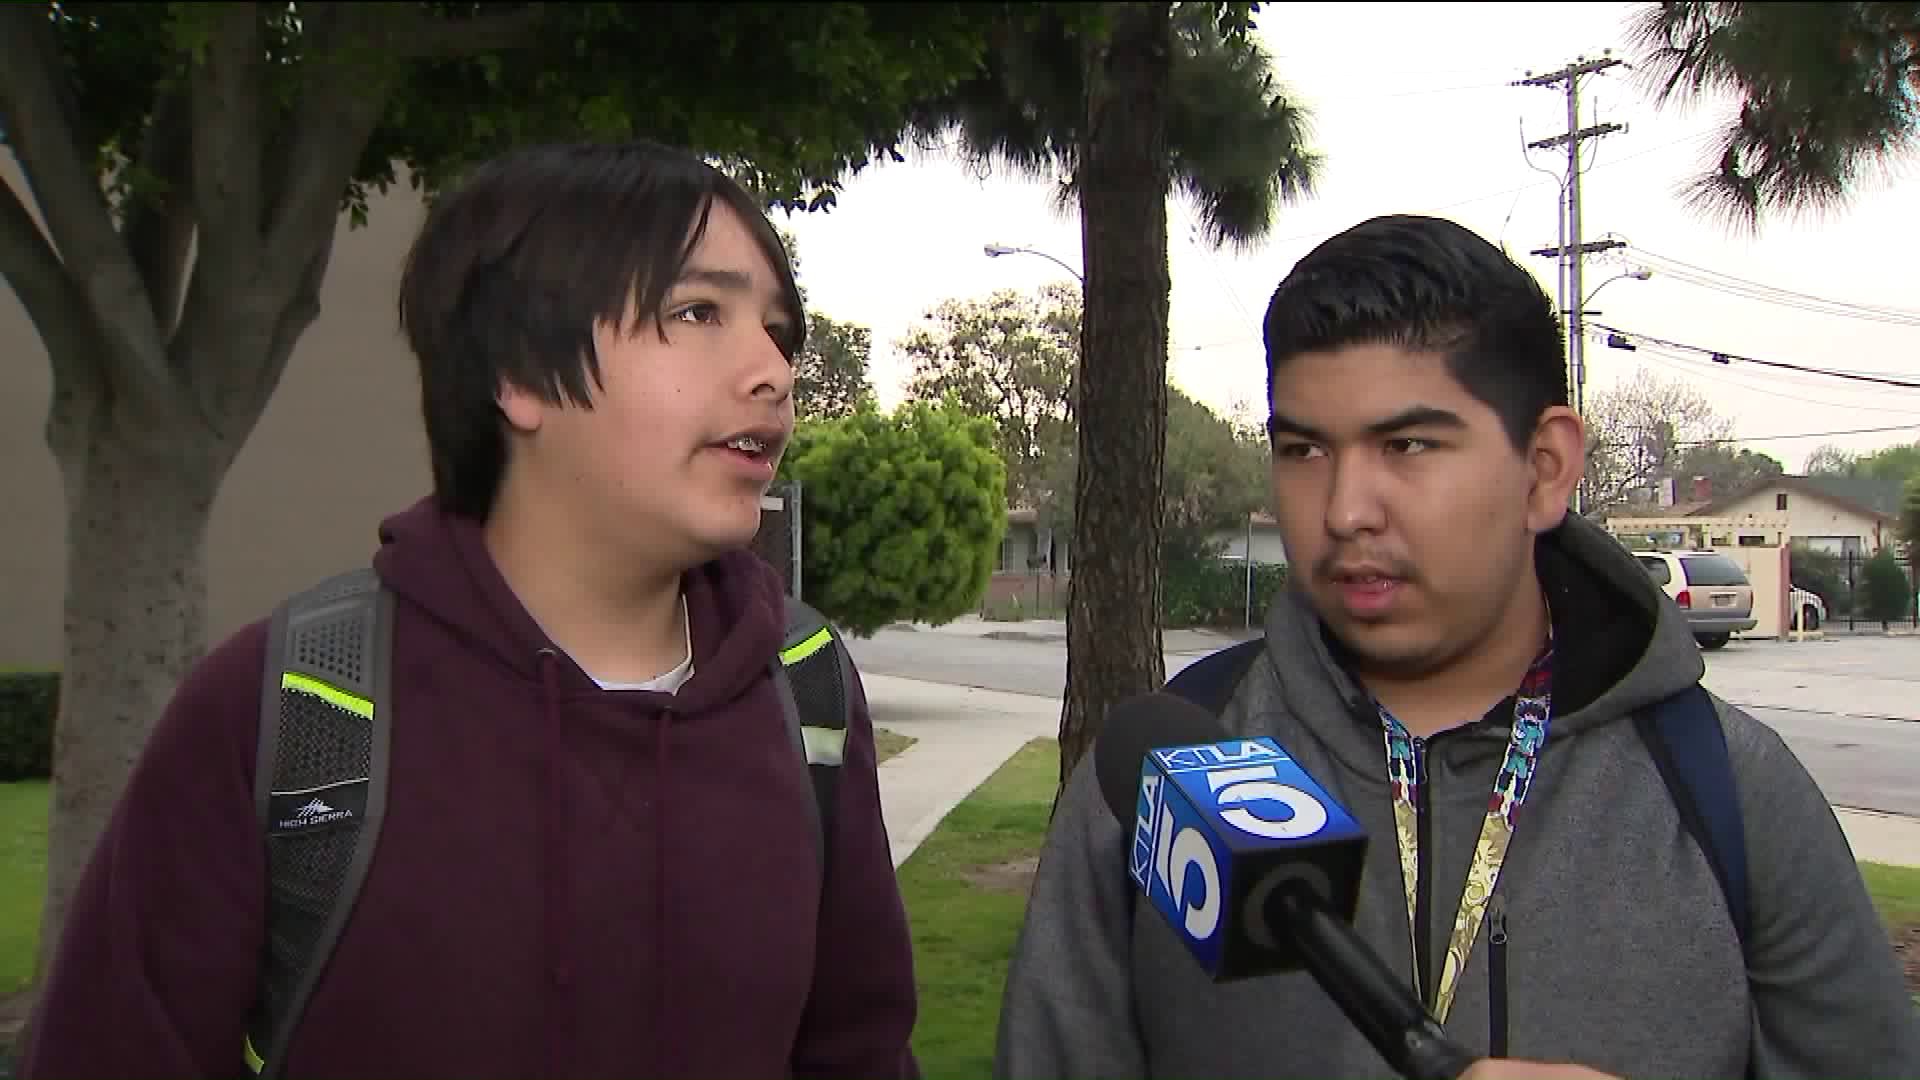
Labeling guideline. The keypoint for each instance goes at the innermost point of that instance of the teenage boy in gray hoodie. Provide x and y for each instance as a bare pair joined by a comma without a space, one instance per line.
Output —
1423,460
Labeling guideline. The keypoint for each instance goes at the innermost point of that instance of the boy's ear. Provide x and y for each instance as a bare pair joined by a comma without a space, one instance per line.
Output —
523,409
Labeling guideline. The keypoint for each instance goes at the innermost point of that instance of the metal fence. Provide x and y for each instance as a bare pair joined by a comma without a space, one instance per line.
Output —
1852,606
778,541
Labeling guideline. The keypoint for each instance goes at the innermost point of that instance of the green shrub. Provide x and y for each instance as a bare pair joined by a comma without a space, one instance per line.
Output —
28,701
1213,592
1888,594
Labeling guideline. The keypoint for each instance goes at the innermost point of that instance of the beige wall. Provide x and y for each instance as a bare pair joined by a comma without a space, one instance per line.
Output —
338,449
1267,546
1766,568
1809,516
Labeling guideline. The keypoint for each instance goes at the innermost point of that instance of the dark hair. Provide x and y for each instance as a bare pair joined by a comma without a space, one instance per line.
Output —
513,270
1430,285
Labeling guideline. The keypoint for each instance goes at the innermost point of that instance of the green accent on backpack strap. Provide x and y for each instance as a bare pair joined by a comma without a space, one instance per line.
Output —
358,706
319,788
807,647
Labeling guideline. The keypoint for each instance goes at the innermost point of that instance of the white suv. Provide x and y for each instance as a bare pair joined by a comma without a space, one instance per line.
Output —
1711,590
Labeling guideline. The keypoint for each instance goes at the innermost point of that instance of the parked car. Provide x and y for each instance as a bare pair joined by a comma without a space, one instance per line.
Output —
1710,588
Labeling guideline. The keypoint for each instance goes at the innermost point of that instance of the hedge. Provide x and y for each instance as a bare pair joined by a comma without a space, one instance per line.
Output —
28,701
1213,592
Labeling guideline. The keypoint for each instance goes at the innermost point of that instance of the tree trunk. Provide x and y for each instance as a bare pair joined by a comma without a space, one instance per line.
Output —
135,618
1113,605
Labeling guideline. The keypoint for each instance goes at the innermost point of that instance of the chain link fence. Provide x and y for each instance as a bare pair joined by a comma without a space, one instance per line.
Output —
778,541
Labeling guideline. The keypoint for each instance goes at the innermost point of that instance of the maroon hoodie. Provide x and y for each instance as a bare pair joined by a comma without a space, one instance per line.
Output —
569,881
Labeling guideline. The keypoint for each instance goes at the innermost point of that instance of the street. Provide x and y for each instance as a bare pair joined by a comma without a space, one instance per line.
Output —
1849,708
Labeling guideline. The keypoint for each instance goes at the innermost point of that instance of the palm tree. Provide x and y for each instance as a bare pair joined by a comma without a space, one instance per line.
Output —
1827,95
1128,103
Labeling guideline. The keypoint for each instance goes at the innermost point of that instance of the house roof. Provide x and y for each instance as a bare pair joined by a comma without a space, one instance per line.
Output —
1862,495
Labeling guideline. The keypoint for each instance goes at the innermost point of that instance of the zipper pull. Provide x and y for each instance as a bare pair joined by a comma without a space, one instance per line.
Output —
1496,919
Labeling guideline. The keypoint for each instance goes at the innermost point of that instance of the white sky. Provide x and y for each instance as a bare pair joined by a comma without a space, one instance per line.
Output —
1414,114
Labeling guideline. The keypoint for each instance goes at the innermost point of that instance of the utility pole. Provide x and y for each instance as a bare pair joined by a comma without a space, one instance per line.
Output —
1572,248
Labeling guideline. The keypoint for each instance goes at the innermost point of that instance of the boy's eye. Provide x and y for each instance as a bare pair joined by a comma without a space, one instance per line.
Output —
1296,451
697,313
1408,446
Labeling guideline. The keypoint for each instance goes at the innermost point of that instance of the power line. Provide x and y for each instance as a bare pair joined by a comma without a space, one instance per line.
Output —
1730,285
1690,366
1680,444
1772,290
1801,435
1628,338
1503,193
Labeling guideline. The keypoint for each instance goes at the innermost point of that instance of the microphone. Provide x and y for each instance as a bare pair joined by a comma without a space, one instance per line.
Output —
1256,868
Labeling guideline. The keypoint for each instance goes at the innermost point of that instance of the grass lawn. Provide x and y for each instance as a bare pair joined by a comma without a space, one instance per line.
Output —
888,744
23,874
965,891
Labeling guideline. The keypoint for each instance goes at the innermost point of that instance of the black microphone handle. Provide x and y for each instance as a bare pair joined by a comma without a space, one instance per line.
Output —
1377,1002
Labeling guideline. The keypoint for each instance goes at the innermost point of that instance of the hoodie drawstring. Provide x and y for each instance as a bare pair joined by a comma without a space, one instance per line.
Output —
552,877
660,935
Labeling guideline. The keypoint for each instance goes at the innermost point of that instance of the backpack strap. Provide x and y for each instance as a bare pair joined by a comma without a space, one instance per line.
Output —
1689,748
320,784
812,675
1210,681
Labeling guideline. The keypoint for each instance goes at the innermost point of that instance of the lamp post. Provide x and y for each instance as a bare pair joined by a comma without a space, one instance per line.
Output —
1577,347
994,251
1577,355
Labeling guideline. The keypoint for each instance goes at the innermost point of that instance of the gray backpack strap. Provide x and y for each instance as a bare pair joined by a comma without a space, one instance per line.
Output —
812,676
319,787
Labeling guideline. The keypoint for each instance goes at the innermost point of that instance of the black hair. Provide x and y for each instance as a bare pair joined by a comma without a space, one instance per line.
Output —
1429,285
513,270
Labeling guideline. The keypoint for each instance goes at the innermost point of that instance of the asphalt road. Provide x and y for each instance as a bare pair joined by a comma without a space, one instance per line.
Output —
1863,762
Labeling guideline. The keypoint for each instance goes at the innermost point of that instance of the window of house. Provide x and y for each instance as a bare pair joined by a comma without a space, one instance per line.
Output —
1780,501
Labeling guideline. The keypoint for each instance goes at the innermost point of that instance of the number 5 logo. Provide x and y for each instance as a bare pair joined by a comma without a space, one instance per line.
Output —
1261,783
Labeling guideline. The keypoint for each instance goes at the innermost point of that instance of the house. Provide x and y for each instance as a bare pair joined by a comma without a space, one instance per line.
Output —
1837,514
1035,560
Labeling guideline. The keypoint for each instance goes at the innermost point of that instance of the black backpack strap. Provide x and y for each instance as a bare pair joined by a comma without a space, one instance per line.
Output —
812,676
1210,681
1689,748
320,787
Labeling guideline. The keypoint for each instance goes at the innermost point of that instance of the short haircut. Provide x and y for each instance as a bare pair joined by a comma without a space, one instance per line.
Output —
513,270
1429,285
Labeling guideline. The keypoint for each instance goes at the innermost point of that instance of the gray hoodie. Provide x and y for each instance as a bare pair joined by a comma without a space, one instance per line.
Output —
1620,954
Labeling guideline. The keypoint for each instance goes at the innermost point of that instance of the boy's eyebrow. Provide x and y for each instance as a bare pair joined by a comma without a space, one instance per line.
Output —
1417,416
730,280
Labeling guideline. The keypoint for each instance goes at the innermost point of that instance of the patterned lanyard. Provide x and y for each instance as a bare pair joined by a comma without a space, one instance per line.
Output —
1532,708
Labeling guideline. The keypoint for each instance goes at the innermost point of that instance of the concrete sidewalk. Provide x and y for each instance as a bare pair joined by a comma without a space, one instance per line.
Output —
965,734
1181,641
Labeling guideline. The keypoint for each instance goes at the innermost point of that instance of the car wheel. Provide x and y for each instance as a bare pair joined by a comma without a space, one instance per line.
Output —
1809,619
1713,641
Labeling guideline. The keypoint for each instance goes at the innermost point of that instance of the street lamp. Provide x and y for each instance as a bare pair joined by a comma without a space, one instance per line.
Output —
994,251
1637,274
1576,348
1577,351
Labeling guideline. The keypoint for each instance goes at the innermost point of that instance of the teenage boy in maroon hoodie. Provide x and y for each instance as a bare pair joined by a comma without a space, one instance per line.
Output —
598,855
